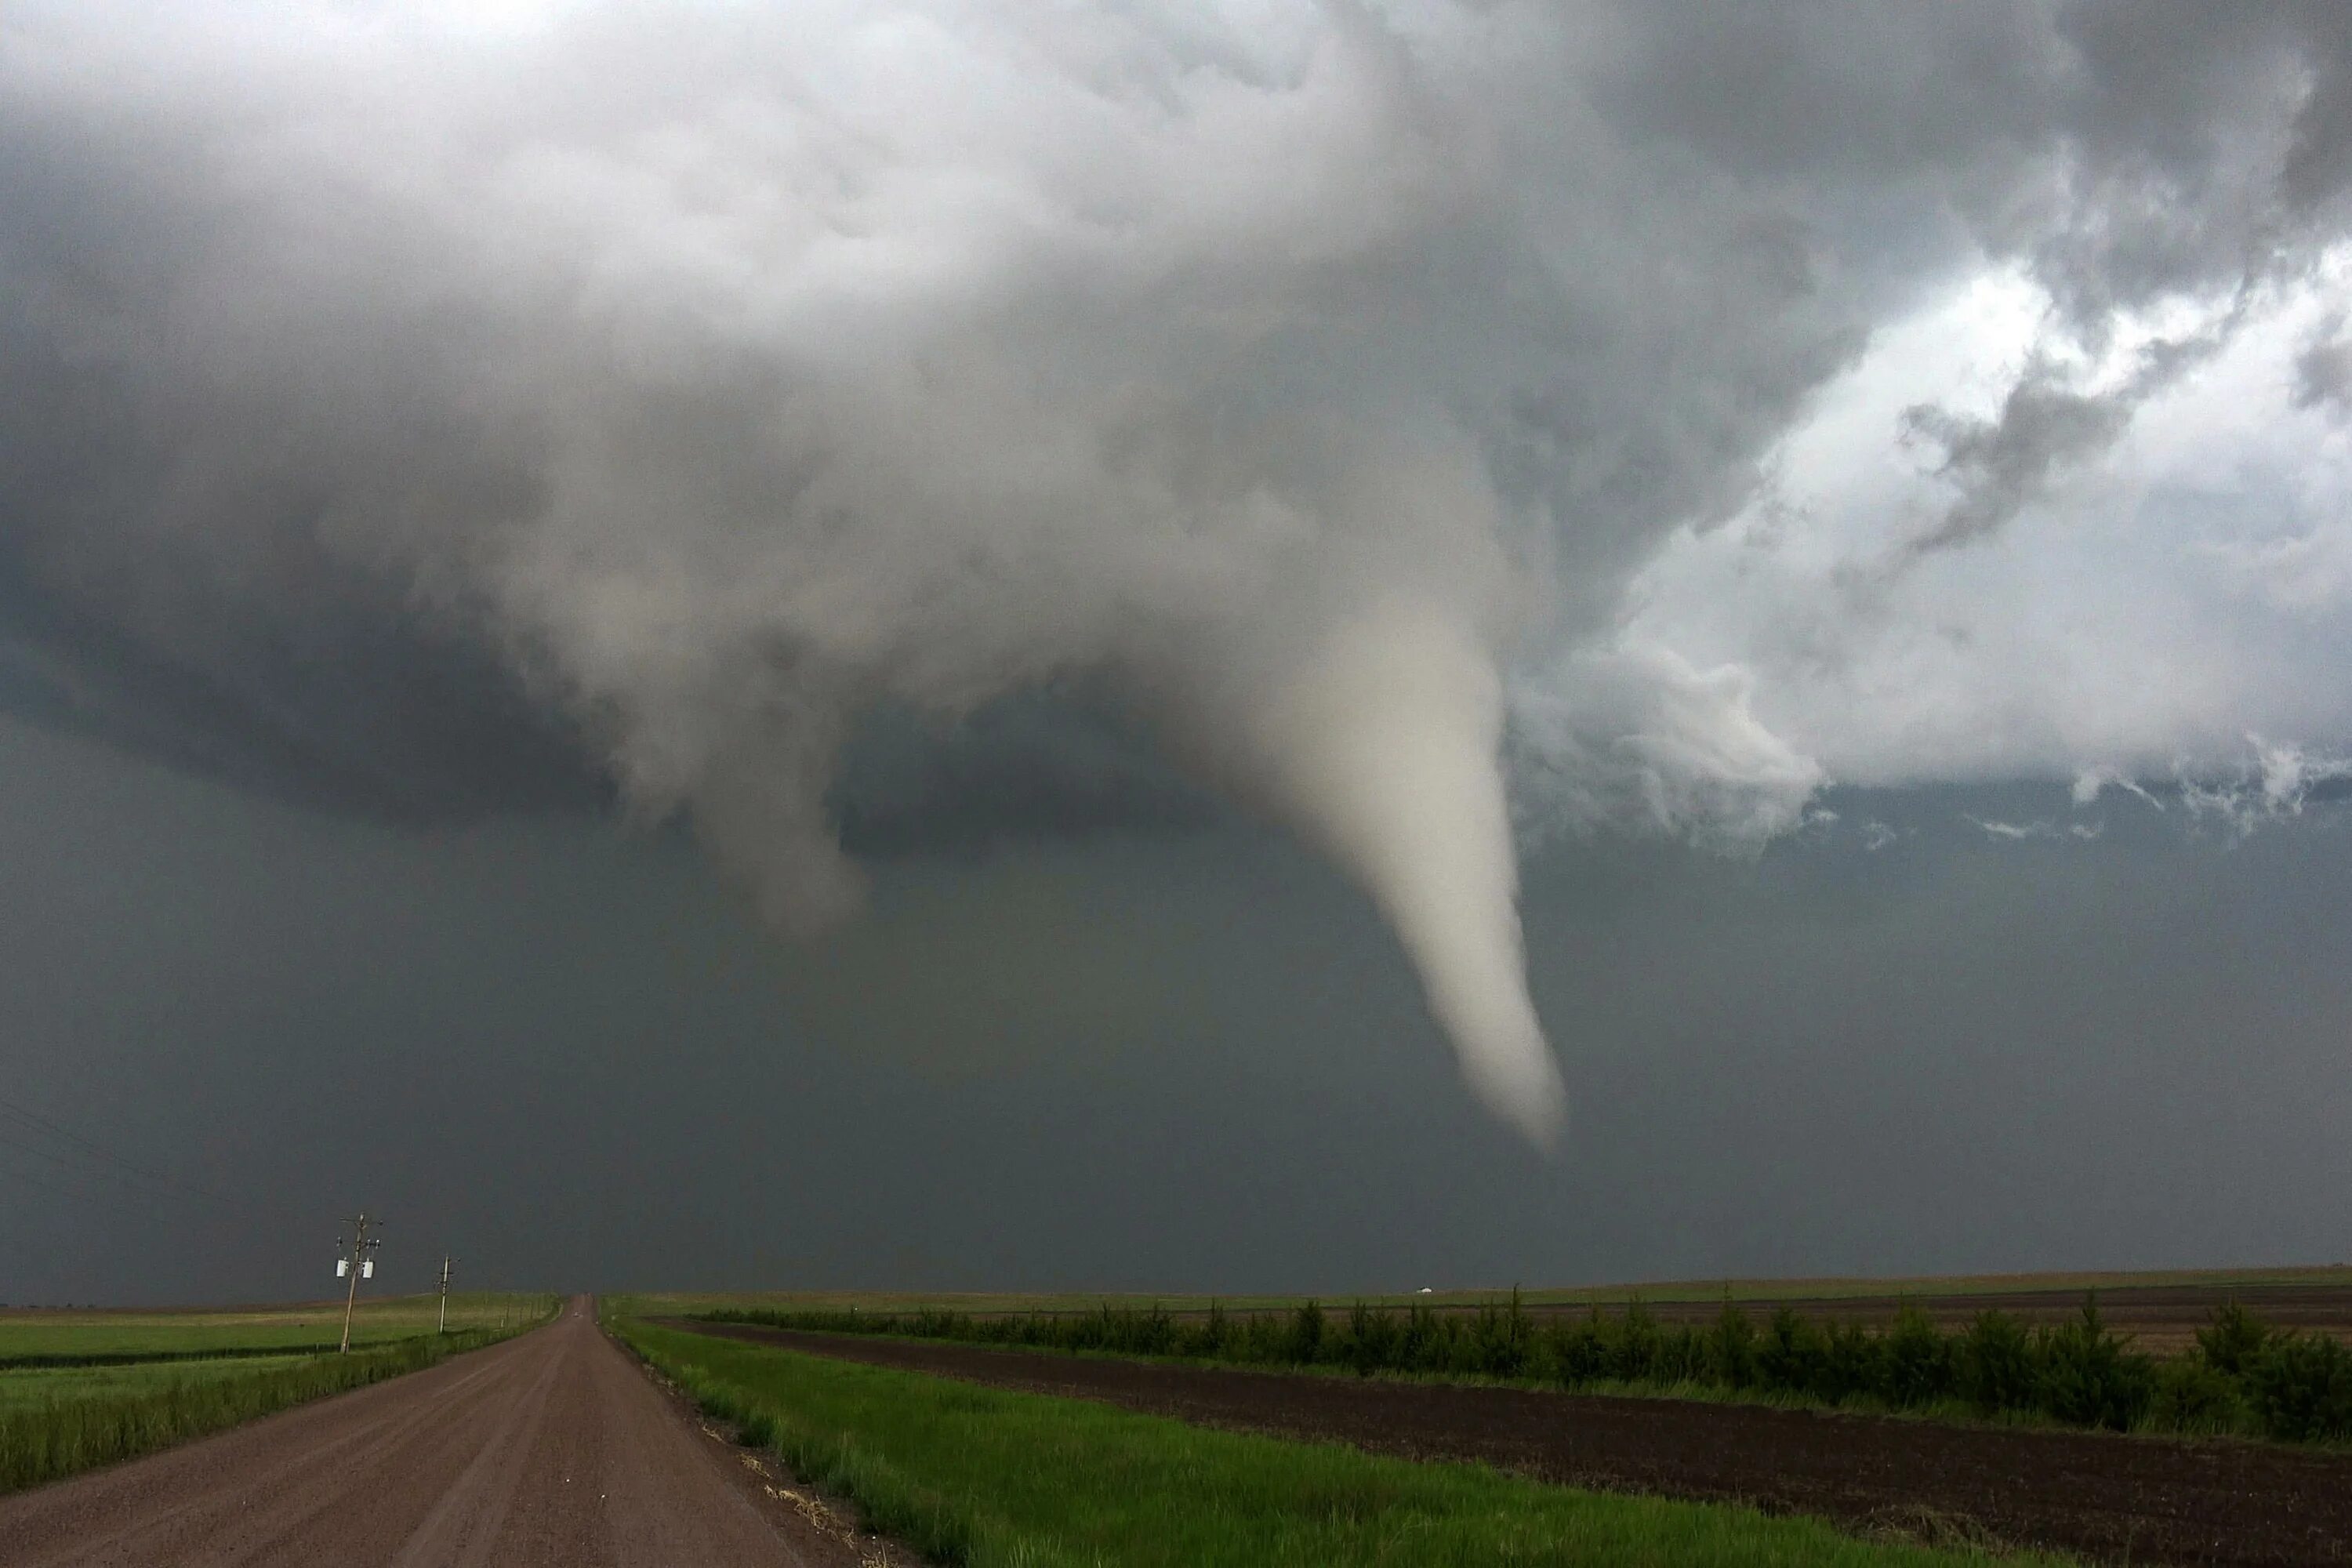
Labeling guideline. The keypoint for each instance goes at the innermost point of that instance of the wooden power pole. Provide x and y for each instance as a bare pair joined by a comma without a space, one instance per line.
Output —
445,1294
359,1265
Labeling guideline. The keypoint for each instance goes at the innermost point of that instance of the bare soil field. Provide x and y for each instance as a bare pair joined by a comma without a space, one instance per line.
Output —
554,1446
2109,1498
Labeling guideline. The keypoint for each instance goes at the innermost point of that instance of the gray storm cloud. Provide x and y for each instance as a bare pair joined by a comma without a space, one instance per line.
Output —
1306,381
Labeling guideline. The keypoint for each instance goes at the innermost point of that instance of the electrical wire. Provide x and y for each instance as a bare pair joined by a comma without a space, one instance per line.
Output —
90,1160
35,1122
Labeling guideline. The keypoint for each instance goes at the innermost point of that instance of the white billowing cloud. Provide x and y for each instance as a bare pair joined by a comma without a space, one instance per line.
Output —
1632,735
2277,782
1687,407
2169,591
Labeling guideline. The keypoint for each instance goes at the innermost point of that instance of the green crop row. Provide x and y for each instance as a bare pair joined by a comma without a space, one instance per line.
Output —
2245,1376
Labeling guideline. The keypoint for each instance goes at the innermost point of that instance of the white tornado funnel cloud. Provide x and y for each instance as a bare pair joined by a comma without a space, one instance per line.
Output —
1382,747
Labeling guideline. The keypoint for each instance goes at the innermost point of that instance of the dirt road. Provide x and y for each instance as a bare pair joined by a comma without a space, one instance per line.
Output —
554,1448
2116,1498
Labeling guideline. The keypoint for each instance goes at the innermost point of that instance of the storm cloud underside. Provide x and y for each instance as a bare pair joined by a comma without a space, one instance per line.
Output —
428,411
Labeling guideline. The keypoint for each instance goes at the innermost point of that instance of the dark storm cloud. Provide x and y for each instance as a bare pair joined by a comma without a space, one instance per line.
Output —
207,524
184,566
434,412
1024,771
2044,426
390,725
2000,464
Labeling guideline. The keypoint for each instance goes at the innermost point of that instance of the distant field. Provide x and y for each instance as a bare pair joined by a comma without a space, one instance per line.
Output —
2161,1307
1655,1292
49,1334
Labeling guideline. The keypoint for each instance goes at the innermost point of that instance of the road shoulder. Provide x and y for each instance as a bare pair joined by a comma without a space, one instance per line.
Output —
821,1528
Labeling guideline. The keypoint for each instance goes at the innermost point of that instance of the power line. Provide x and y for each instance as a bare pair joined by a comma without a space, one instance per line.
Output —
85,1160
44,1186
67,1160
96,1159
48,1219
115,1203
34,1122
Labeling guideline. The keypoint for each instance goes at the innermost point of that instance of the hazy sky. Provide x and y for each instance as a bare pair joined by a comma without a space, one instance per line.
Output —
966,644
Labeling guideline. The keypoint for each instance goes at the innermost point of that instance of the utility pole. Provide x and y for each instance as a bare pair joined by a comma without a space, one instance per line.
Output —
360,1265
445,1294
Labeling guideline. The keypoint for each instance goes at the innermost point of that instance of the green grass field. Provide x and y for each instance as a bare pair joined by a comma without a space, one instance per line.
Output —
29,1388
995,1480
305,1325
2068,1287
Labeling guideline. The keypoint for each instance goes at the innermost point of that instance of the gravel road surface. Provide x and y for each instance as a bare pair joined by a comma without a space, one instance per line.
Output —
553,1448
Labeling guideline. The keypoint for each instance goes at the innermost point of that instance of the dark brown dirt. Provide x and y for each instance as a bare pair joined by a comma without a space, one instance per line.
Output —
2116,1498
554,1448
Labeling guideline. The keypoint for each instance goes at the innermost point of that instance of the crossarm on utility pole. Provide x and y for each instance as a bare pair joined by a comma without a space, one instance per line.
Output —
360,1247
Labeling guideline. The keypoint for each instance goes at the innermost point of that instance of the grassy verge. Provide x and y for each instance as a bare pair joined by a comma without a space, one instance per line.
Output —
988,1478
55,1423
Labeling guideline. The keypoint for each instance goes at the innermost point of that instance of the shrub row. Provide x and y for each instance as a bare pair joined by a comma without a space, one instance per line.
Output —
2244,1376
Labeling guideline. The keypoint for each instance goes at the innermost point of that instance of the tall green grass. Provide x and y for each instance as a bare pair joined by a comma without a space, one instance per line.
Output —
31,1388
987,1479
2244,1376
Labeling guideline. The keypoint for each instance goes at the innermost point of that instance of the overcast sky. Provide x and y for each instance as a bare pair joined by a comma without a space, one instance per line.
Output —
1172,647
